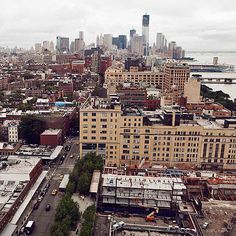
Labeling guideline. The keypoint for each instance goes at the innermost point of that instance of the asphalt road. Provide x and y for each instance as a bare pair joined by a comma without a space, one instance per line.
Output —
44,219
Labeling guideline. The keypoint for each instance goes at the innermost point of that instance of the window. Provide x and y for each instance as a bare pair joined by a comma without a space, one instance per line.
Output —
93,114
103,120
85,114
93,120
85,120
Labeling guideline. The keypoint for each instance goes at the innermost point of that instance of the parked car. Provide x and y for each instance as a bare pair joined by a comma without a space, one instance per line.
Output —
36,206
48,207
205,225
54,192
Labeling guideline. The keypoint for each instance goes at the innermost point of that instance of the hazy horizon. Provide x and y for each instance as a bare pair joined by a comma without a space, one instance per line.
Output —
199,26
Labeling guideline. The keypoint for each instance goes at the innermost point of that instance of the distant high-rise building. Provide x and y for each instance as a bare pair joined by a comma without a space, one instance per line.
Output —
79,45
107,41
81,35
136,44
132,32
99,40
115,41
52,46
145,33
46,45
72,46
160,41
122,41
38,47
172,45
62,44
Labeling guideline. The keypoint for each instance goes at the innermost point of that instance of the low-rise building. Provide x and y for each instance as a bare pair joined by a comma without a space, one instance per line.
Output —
51,137
141,192
17,175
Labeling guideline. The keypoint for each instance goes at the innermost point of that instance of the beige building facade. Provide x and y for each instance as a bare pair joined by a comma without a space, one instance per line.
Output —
172,75
125,139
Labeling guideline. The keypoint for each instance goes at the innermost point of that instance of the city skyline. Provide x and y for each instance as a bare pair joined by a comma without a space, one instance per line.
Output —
195,27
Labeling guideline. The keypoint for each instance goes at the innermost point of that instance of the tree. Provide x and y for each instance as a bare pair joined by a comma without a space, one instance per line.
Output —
30,129
66,217
89,213
84,183
89,217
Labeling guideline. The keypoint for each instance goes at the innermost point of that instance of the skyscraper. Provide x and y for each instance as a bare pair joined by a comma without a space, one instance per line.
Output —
137,44
132,32
46,45
51,46
160,41
62,44
122,41
81,35
79,45
145,33
107,41
38,47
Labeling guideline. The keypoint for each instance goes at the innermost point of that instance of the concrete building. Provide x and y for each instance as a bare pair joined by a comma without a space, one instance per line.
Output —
115,76
46,153
176,75
52,137
62,44
192,90
11,127
46,45
38,47
81,35
141,192
79,45
52,47
17,176
160,42
107,41
165,137
136,45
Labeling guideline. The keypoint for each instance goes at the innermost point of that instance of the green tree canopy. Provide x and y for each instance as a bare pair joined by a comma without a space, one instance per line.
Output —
30,129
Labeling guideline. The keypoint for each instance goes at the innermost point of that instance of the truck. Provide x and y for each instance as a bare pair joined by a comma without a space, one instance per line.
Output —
29,227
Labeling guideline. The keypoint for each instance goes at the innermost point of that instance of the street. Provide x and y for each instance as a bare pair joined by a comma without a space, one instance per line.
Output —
44,219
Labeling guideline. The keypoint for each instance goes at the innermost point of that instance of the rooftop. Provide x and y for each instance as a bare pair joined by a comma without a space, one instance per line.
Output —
142,182
51,132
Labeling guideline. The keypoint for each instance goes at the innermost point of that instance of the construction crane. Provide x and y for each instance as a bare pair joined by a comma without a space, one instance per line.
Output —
152,216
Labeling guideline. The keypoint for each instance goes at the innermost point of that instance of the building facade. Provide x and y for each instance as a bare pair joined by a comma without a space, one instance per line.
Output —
126,137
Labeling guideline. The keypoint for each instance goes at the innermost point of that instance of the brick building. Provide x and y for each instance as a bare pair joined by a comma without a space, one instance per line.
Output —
52,137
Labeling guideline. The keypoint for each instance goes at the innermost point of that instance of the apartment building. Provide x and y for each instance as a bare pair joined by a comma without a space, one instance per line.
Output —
125,137
176,75
173,75
117,75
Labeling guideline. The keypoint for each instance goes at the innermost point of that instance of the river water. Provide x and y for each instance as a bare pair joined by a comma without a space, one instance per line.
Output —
224,58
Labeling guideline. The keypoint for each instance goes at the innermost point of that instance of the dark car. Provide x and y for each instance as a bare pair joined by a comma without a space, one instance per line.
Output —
36,206
48,207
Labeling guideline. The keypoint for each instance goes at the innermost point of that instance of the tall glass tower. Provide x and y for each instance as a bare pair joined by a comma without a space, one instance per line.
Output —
145,33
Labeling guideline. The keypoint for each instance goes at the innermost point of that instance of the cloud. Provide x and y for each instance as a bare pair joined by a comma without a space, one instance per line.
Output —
195,25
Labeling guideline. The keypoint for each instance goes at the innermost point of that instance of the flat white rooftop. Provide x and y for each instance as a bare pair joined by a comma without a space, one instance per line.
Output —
51,132
142,182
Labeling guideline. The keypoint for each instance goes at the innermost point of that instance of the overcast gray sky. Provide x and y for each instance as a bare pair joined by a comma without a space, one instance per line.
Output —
193,24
